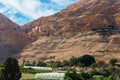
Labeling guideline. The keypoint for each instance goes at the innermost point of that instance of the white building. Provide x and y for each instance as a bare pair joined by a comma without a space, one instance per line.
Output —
56,76
38,68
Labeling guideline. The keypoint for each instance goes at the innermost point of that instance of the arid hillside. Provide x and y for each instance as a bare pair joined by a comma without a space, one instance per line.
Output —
12,38
85,27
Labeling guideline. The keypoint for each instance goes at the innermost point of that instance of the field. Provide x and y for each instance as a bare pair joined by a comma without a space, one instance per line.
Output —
33,71
27,75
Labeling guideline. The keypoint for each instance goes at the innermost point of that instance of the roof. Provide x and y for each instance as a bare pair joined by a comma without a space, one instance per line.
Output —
100,76
50,75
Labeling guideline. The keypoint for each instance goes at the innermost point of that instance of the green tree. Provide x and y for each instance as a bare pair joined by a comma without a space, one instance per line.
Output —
109,78
73,61
113,61
41,64
27,63
34,63
71,74
84,75
56,64
23,62
65,63
94,65
86,60
11,70
80,64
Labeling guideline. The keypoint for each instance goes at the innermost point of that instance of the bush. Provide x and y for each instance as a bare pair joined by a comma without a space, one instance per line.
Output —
65,63
41,64
71,74
86,60
55,64
73,61
27,63
85,75
113,61
102,74
94,72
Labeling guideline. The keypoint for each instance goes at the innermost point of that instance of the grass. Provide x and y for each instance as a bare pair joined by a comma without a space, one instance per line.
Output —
27,75
33,71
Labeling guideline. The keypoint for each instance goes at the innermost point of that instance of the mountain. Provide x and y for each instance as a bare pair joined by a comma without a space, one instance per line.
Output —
12,38
85,27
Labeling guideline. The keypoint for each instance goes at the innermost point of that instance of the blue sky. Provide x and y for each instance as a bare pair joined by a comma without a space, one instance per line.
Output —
24,11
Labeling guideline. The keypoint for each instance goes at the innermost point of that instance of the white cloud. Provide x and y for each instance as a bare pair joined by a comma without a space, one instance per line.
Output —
34,8
29,7
63,2
15,15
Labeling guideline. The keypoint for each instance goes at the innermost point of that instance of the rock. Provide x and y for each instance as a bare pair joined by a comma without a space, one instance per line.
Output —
84,27
12,38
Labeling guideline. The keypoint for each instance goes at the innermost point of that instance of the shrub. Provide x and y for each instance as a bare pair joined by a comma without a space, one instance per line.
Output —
86,60
33,71
71,74
55,64
41,64
113,61
65,63
73,61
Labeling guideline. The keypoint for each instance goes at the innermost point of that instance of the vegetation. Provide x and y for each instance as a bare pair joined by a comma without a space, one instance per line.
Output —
103,74
86,60
27,75
73,61
41,64
33,71
55,64
10,70
96,71
65,63
71,75
100,70
113,61
83,61
100,65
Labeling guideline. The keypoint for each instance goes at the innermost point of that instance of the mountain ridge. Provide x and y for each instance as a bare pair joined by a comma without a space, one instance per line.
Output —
85,27
12,38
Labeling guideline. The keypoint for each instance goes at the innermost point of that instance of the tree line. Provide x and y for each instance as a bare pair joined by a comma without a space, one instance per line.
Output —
82,61
85,60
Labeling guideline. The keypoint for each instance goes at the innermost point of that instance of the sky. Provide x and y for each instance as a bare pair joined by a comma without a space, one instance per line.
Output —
24,11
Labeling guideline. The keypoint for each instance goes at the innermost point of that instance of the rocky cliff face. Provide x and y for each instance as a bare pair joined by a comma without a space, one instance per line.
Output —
12,38
86,27
83,15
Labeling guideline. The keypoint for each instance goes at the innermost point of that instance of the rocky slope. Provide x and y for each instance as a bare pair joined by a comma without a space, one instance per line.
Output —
86,27
12,38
